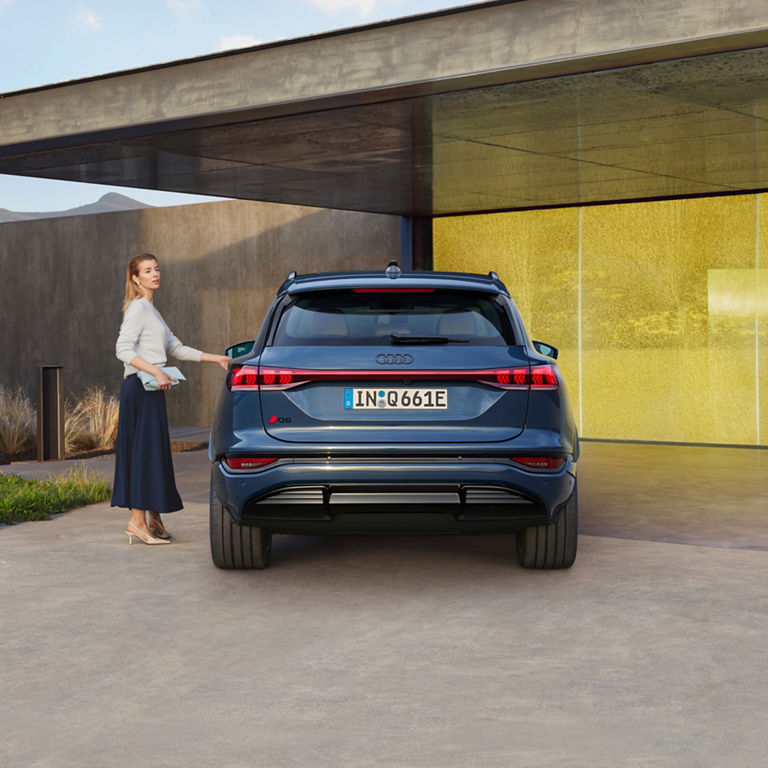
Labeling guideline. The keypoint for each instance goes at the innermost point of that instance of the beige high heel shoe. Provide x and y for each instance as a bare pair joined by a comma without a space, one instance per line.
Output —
157,528
146,538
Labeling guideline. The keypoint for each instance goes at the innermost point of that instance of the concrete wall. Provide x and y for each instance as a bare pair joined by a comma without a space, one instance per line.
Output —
62,283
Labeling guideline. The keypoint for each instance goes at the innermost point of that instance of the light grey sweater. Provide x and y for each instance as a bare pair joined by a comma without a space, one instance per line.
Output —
145,333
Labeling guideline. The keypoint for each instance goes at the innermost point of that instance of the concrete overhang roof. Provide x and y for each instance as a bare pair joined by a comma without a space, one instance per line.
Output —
496,106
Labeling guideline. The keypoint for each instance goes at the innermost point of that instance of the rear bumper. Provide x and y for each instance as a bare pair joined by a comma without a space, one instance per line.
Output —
391,496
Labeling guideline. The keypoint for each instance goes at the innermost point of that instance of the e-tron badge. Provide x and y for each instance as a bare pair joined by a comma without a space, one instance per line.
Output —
394,359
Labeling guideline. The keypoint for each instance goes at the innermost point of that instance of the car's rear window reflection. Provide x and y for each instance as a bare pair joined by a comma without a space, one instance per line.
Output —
348,318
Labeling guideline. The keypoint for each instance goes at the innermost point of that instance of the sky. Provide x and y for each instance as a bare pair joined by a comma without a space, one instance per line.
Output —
52,41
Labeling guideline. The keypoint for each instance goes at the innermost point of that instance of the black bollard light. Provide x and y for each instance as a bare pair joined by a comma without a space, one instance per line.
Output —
50,414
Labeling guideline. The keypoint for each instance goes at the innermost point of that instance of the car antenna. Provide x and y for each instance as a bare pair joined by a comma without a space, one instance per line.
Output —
393,270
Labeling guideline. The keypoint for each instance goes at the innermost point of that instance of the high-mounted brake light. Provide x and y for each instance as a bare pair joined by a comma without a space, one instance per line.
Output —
245,378
539,462
393,290
248,462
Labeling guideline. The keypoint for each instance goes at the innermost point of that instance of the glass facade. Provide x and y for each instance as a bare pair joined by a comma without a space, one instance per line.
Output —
660,310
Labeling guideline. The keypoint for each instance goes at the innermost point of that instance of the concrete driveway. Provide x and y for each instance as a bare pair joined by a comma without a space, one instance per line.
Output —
651,651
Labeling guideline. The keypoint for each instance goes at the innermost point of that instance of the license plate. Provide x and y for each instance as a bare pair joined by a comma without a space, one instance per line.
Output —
396,399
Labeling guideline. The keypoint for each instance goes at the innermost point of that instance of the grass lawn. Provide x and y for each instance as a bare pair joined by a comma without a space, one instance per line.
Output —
22,500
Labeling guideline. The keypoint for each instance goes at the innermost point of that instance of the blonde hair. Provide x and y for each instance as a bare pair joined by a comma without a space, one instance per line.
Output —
132,291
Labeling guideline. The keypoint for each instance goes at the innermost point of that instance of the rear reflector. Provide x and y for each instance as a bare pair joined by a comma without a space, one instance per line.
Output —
245,378
539,462
247,462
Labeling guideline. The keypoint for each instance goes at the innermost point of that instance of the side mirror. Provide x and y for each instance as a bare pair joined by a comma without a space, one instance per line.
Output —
546,349
239,349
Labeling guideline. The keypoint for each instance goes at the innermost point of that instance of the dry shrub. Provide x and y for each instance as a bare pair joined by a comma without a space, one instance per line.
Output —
91,423
18,422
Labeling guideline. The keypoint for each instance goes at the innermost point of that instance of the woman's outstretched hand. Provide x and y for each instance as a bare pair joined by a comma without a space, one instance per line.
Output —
222,360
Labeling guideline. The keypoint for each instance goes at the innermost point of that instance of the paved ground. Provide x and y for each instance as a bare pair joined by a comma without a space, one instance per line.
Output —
651,651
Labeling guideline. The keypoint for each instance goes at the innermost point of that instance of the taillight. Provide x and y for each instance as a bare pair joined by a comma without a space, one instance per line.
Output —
245,378
249,378
539,462
506,378
248,462
543,377
281,378
540,377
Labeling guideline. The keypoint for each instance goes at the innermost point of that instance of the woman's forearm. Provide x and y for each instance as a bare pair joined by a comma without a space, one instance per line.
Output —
162,378
141,364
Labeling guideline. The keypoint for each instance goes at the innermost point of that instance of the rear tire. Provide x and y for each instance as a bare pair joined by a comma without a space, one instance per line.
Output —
551,546
235,546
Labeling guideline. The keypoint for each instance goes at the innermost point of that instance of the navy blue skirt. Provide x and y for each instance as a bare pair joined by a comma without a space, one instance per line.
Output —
143,465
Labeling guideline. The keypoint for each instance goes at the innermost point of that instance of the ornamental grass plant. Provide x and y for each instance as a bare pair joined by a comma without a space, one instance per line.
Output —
22,500
18,423
91,422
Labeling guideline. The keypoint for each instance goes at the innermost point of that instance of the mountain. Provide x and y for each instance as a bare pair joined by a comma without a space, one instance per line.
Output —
108,203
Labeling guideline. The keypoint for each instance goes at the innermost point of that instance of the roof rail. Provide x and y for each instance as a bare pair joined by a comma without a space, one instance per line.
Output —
291,277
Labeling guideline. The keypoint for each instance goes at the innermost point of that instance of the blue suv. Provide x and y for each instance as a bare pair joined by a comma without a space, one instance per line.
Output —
393,402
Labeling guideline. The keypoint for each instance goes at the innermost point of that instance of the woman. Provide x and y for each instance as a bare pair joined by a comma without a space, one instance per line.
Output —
144,481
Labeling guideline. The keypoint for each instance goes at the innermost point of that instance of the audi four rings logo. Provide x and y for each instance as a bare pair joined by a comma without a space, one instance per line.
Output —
394,359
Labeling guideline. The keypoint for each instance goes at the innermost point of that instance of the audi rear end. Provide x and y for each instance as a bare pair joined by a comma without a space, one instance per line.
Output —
394,403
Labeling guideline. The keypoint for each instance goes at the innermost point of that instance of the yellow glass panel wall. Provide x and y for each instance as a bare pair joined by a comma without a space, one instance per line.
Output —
660,309
762,318
657,364
536,254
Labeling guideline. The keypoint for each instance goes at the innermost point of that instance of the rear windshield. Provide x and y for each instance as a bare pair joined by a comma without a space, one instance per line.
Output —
350,318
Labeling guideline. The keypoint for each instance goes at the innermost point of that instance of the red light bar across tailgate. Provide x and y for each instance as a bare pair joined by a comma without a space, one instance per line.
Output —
249,378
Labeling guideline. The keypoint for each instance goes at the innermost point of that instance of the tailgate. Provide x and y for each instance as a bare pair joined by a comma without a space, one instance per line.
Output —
383,395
